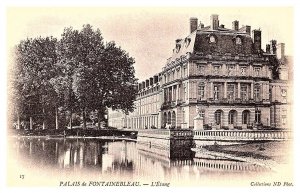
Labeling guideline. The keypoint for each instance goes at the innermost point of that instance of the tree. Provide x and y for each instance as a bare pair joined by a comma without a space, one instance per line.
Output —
99,74
77,73
117,87
31,88
79,52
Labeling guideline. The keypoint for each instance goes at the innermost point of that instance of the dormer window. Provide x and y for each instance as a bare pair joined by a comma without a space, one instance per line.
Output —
212,39
217,70
257,71
187,42
283,92
178,46
238,41
243,71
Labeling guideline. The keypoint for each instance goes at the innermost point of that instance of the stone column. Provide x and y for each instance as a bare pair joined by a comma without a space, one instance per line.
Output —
211,90
251,90
225,90
239,90
177,92
172,97
262,91
30,123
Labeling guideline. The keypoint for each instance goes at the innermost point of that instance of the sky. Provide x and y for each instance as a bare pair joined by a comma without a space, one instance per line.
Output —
147,34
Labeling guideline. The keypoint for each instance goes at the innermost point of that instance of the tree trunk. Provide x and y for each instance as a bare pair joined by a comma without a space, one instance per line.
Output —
84,118
44,124
30,123
100,114
56,118
70,119
18,121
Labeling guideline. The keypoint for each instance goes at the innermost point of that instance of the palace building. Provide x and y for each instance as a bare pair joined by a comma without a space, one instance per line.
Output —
217,78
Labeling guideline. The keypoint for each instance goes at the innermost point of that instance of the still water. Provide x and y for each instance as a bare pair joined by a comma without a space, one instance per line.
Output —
98,159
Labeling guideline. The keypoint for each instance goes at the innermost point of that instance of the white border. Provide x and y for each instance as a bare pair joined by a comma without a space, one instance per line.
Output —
177,3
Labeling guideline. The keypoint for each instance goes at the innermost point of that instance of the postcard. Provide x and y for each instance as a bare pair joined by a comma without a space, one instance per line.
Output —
150,97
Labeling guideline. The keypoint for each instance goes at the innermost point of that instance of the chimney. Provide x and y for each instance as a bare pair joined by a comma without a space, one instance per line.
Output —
257,40
155,79
248,29
177,44
268,49
201,25
273,47
235,25
214,20
177,41
193,24
280,50
151,81
222,26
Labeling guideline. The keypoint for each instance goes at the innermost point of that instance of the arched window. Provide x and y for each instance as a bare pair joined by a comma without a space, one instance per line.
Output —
218,117
165,118
173,119
246,117
169,117
232,117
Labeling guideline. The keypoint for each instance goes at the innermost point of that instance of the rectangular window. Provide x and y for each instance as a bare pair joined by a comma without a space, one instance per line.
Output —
231,69
184,71
201,113
257,71
257,93
244,96
201,69
284,95
257,116
165,95
243,71
178,73
216,92
185,92
283,121
230,92
217,70
201,91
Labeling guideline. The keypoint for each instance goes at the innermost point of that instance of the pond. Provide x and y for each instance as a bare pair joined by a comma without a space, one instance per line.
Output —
52,162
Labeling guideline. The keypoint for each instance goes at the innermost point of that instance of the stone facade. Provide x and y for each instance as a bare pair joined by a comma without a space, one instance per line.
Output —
220,75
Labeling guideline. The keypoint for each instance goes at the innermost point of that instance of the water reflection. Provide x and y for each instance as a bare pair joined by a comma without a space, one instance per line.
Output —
118,159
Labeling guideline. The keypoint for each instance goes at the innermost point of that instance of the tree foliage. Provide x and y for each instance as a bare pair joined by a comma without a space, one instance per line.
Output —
31,90
78,73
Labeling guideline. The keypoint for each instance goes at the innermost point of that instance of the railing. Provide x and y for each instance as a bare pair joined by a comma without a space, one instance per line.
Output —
154,132
222,135
164,133
243,135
